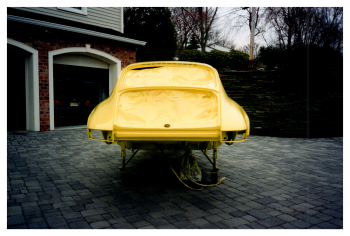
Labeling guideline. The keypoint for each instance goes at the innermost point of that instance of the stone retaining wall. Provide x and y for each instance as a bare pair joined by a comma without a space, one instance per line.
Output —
285,105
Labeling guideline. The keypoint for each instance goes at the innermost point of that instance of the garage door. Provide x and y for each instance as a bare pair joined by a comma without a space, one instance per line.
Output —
77,90
16,99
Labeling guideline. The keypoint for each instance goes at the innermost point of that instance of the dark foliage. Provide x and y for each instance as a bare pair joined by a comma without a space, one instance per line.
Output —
217,59
193,55
153,25
231,60
193,44
238,60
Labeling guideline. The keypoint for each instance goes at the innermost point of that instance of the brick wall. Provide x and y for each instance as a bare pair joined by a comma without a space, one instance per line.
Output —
281,104
45,40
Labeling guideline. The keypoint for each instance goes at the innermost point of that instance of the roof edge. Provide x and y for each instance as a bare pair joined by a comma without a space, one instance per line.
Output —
74,29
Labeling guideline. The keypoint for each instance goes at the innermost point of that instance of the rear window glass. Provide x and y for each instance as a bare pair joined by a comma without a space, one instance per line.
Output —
170,76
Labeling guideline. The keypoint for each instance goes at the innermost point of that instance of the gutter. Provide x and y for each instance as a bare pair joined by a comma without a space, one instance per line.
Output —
74,30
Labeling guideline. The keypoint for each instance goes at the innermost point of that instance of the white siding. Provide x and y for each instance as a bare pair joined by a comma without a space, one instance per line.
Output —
106,17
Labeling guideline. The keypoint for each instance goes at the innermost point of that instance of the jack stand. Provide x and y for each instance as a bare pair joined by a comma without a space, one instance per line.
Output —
215,171
123,152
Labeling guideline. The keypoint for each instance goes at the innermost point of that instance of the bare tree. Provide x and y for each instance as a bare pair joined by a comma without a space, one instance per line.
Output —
239,18
246,48
221,38
247,19
200,21
183,30
301,25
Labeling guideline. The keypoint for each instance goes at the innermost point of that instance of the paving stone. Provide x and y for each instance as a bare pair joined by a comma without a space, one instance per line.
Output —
168,226
195,214
31,210
56,221
220,225
15,220
302,185
180,217
232,209
274,213
183,225
258,214
234,222
225,216
249,218
100,225
327,225
323,217
117,221
134,218
255,225
337,222
156,214
286,210
198,221
18,227
158,222
213,218
93,212
238,214
243,227
125,226
286,218
300,224
139,224
38,225
266,201
71,215
145,227
255,205
333,213
94,218
64,204
170,219
289,226
302,207
271,222
309,219
79,225
37,219
14,210
51,213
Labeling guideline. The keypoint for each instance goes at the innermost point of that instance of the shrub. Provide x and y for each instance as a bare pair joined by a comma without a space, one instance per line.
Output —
238,60
270,56
217,59
192,55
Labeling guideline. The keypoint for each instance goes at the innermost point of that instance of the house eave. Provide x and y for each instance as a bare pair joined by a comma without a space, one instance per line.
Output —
74,29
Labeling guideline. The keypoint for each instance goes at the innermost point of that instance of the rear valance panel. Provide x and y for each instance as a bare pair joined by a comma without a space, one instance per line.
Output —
167,109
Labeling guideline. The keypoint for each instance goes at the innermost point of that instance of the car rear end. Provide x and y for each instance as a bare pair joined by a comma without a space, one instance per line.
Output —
164,102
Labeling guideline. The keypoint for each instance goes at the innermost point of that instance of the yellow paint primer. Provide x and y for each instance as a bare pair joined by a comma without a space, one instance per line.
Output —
178,108
169,101
171,76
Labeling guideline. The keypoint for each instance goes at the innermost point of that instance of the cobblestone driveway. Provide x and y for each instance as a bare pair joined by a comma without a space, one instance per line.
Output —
61,179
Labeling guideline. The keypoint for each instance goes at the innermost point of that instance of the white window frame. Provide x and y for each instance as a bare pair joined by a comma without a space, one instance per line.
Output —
83,10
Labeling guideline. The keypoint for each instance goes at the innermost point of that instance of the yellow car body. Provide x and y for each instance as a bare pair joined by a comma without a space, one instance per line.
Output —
168,103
